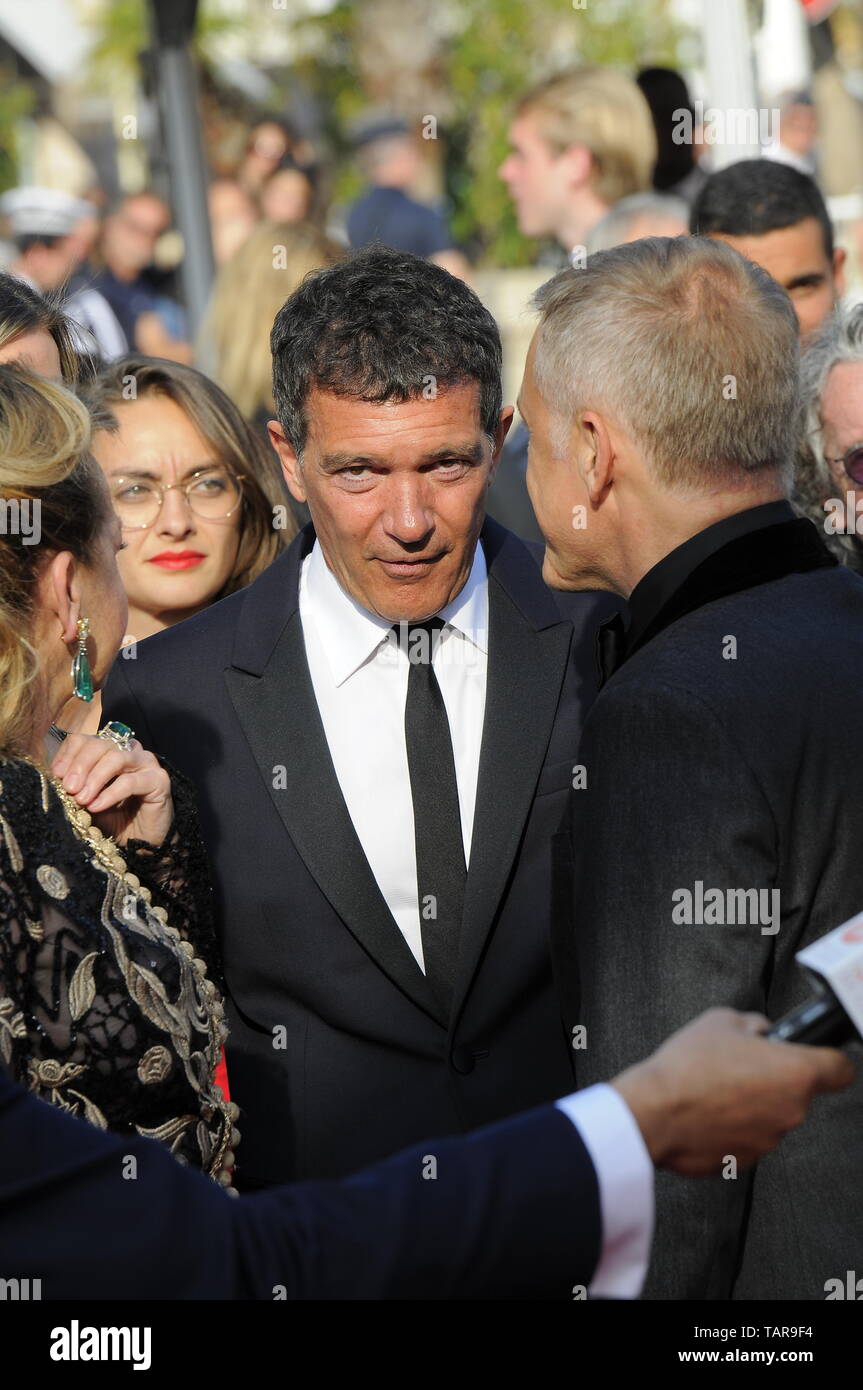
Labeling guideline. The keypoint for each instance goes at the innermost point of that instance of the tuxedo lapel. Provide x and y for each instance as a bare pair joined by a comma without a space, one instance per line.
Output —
529,647
271,690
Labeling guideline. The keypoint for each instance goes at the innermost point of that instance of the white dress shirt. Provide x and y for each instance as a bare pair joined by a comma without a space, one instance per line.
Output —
624,1172
360,679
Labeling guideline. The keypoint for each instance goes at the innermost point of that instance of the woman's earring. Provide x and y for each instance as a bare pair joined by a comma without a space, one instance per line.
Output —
82,676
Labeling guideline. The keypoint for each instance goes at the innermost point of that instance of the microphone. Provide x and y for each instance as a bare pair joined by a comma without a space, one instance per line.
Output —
834,1015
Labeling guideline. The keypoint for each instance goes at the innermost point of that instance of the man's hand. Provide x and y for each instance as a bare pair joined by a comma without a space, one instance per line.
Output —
717,1088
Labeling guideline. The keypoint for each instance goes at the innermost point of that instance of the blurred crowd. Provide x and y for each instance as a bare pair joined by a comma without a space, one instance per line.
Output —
172,467
92,290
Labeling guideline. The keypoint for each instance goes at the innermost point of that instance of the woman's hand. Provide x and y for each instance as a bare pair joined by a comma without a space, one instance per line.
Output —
126,791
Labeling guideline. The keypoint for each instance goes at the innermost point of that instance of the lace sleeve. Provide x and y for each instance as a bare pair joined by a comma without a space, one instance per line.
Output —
177,873
51,979
103,1011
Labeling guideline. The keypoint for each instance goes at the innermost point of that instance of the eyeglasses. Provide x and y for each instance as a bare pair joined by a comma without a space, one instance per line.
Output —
213,494
852,462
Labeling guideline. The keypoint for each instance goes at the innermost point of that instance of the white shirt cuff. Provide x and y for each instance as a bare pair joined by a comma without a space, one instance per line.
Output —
624,1173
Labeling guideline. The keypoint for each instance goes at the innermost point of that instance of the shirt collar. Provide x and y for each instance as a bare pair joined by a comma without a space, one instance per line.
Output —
468,612
350,634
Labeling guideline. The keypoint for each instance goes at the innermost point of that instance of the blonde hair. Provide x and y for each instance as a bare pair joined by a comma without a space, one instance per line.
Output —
250,290
44,464
606,112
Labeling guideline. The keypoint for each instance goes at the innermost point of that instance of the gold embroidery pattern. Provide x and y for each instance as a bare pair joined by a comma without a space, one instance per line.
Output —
196,1008
154,1065
12,1025
52,881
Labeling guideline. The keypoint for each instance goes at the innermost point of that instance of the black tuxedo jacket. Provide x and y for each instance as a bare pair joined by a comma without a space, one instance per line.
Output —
723,752
512,1213
336,1055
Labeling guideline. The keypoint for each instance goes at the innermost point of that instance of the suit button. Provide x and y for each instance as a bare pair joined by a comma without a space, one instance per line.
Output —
463,1060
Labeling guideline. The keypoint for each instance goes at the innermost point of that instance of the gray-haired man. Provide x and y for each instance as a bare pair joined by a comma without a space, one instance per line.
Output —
718,823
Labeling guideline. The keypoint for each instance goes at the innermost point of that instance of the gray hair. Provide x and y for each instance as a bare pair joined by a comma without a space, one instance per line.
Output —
691,346
840,341
617,225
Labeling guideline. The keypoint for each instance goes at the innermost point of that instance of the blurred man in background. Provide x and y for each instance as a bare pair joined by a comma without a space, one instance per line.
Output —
50,231
386,212
580,142
644,214
151,320
776,216
795,140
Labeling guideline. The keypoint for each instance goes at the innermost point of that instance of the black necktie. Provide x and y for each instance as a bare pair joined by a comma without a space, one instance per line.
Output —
441,870
610,647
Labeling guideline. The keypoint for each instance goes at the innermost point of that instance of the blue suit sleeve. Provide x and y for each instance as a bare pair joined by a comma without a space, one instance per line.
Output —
508,1212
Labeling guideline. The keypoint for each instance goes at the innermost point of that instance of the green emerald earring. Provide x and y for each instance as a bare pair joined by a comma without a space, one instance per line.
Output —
82,676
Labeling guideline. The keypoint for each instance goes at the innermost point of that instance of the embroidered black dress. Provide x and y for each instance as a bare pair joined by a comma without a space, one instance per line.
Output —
106,1008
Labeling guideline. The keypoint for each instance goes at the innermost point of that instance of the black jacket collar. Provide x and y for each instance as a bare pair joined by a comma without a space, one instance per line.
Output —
751,548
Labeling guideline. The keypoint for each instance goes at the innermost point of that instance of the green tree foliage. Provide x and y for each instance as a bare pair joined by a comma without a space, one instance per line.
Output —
17,99
122,32
491,51
504,46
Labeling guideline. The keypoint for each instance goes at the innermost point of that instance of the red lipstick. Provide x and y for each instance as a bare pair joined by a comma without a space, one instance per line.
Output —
177,559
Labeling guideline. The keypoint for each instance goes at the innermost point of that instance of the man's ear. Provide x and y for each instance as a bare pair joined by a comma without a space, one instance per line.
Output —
839,258
500,434
595,455
292,469
59,594
579,165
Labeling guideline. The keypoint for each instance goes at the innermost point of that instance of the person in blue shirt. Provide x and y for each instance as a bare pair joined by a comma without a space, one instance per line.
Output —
387,212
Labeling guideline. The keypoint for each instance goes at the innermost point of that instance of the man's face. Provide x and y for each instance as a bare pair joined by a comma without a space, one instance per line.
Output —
539,181
561,502
50,266
131,234
842,427
797,257
396,492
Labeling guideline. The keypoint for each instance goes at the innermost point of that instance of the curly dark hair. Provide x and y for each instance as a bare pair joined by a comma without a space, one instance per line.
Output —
381,326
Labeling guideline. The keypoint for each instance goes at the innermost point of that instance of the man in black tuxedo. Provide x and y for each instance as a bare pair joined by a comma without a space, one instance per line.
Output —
718,823
378,804
518,1210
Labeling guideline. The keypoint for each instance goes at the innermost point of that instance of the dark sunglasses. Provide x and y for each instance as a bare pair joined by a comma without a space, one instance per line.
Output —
852,462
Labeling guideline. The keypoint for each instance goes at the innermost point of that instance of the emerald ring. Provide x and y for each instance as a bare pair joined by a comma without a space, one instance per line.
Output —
116,732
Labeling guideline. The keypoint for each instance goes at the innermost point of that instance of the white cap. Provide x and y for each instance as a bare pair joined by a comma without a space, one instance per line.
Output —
42,211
